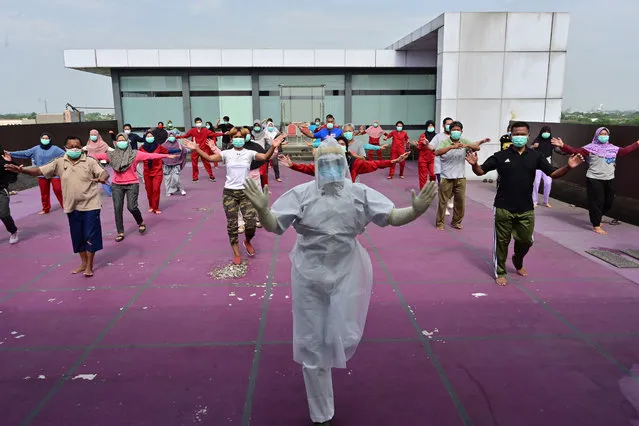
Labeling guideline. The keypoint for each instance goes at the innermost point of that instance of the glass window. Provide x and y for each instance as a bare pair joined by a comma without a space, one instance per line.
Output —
394,82
214,96
151,83
149,99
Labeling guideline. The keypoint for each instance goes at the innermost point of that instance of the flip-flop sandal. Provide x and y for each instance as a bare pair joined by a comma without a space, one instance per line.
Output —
88,275
615,222
142,229
119,238
247,250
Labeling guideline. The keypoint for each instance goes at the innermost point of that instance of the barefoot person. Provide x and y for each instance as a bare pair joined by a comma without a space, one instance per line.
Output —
238,163
81,177
332,275
514,211
601,156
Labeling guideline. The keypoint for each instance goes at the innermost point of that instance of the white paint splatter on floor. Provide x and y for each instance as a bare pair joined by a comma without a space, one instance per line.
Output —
85,376
41,377
51,300
200,413
430,334
476,295
20,336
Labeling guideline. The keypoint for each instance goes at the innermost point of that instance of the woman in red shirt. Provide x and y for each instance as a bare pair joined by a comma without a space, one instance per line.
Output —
426,162
153,172
398,148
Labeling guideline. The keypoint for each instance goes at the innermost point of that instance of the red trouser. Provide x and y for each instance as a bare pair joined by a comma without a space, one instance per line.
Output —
396,153
264,174
153,183
426,169
207,166
374,141
45,192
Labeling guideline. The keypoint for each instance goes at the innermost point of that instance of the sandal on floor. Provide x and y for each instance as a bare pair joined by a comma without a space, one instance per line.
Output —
615,222
142,229
119,238
88,275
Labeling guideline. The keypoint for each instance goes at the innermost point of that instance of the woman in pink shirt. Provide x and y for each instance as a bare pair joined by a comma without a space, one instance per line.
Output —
375,133
124,161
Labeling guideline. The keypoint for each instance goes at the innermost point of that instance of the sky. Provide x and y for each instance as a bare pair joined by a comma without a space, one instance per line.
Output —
602,63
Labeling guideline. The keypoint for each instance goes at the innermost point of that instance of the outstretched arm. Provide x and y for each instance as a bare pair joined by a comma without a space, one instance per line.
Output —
477,145
421,202
215,158
25,154
489,164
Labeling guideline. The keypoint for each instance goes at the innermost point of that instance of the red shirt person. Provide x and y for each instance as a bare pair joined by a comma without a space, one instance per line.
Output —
199,136
426,162
153,173
398,147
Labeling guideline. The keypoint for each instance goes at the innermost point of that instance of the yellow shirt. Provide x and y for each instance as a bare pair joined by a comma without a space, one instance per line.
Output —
79,192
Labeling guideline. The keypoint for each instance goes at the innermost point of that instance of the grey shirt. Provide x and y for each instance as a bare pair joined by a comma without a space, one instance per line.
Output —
434,144
600,168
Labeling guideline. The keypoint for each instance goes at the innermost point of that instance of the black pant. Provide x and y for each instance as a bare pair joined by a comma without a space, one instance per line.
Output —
5,212
276,166
131,192
601,194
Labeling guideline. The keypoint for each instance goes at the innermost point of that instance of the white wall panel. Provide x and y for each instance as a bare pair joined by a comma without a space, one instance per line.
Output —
482,32
143,58
480,75
528,32
525,75
206,57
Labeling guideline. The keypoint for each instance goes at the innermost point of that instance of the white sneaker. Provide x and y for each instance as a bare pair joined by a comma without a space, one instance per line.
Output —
183,192
450,204
447,212
13,239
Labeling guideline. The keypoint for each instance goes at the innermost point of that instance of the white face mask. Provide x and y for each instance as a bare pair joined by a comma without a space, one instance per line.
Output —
198,125
127,131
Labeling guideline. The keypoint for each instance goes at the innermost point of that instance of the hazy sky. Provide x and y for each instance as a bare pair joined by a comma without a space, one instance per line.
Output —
603,56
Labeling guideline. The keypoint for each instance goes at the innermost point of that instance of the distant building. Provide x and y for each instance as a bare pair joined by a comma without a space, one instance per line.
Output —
16,122
483,69
64,117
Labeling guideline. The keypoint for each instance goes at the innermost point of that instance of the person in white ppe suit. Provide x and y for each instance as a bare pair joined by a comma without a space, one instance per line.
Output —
332,274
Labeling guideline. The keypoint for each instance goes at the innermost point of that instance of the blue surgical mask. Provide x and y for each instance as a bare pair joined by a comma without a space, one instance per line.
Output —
93,138
343,148
225,122
74,153
150,139
399,128
238,142
330,174
208,127
447,127
520,141
348,135
375,124
330,125
257,128
169,125
247,138
45,141
431,130
122,144
270,128
455,135
603,138
545,135
171,139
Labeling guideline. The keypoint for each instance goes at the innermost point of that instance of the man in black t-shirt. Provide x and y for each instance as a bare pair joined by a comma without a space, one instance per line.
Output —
514,211
224,128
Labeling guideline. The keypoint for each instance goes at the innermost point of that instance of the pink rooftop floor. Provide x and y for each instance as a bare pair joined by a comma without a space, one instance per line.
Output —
169,345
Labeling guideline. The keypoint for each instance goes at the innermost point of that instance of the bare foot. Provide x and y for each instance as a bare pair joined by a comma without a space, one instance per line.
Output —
157,211
43,212
459,227
440,228
501,281
150,210
80,269
548,205
522,272
88,272
599,230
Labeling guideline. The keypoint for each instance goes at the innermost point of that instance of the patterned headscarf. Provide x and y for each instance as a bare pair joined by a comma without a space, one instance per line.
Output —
605,150
121,159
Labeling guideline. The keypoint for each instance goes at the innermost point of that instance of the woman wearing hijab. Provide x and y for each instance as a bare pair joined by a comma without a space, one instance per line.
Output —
375,133
543,144
173,166
264,140
124,160
234,200
40,155
272,132
426,162
97,145
601,156
153,172
7,177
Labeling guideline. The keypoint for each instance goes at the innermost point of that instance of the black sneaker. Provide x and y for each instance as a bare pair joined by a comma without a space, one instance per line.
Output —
195,180
212,179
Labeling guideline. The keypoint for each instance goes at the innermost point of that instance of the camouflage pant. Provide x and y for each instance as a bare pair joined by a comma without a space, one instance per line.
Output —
235,201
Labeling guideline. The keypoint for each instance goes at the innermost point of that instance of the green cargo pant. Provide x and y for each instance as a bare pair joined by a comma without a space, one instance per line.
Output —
234,202
519,226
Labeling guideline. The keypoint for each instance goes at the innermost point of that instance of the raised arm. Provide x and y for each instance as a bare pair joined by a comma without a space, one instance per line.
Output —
627,149
24,154
306,132
420,204
100,157
477,145
215,158
559,143
276,143
144,156
489,164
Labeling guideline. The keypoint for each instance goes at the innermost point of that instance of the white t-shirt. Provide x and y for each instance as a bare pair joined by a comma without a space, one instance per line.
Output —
237,164
439,137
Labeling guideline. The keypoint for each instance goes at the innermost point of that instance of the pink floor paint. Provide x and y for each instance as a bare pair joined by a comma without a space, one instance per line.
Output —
153,340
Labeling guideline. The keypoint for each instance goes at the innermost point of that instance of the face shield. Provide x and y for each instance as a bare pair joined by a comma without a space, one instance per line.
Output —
331,168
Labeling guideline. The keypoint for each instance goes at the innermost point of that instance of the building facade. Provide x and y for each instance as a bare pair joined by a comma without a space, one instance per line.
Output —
483,69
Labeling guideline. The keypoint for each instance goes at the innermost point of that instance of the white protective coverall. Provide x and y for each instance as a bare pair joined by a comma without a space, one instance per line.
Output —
332,274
